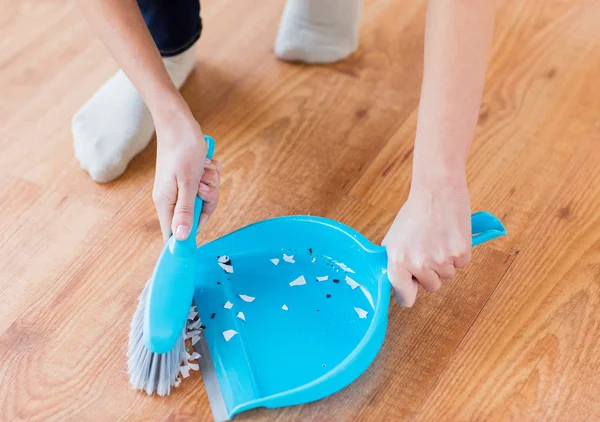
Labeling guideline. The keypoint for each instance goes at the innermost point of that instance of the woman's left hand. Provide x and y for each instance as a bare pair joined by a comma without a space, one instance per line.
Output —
429,239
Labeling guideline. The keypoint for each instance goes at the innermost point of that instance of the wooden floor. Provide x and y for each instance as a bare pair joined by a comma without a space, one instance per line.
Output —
515,337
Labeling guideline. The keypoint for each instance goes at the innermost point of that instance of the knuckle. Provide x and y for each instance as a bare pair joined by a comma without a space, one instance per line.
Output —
440,258
184,210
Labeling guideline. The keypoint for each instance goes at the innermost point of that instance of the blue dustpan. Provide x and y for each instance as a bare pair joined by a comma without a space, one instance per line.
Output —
307,313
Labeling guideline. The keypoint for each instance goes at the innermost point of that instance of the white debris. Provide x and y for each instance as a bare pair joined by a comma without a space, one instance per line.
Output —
228,305
323,278
228,334
344,267
247,298
195,324
194,366
177,382
185,371
195,340
191,334
289,258
362,314
284,307
192,313
227,268
351,283
223,259
241,316
299,281
368,296
275,261
194,356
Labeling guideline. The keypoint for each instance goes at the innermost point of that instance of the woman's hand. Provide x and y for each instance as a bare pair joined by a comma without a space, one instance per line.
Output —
430,238
182,172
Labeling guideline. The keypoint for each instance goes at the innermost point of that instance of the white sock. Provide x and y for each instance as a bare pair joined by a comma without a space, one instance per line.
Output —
115,125
318,31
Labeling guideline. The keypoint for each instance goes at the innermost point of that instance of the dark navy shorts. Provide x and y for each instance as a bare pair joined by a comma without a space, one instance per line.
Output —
174,24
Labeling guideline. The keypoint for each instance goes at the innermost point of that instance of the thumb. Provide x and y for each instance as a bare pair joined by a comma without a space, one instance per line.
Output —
184,211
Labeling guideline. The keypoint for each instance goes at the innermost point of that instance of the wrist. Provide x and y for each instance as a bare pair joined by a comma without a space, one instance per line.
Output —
432,176
439,163
169,110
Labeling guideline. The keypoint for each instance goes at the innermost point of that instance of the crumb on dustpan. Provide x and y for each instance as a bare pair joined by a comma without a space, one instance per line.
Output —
289,258
275,261
314,260
246,298
177,382
351,283
194,366
228,334
192,314
323,278
228,305
362,314
345,267
195,340
194,356
241,316
213,316
299,281
284,307
223,259
227,268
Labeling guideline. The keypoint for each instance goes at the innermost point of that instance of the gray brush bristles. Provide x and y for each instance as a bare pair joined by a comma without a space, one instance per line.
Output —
150,372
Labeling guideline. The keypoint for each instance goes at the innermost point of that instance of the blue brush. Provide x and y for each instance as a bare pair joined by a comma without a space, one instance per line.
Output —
156,339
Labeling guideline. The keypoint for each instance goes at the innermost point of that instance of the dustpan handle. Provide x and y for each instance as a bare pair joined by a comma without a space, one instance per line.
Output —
485,227
190,242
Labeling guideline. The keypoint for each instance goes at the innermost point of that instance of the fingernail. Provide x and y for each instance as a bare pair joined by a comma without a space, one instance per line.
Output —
204,187
207,161
182,232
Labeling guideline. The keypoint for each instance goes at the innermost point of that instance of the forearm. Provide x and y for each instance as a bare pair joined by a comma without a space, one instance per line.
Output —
458,36
121,27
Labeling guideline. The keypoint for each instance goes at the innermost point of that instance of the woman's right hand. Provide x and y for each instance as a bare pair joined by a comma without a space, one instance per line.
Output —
182,172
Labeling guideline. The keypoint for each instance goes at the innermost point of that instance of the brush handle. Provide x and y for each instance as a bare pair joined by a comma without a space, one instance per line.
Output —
189,245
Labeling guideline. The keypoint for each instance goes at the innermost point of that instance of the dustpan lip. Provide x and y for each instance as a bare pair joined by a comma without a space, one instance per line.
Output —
358,237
